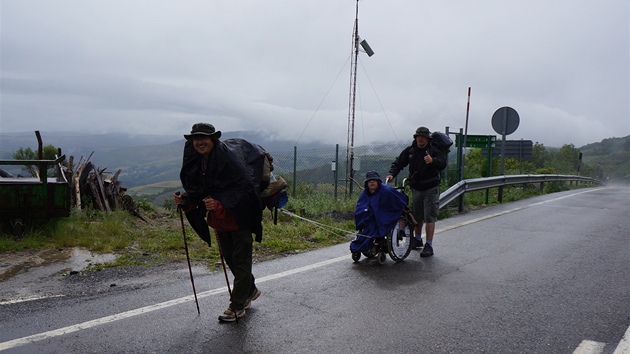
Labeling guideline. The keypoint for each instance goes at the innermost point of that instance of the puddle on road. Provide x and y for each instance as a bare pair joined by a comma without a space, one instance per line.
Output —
49,262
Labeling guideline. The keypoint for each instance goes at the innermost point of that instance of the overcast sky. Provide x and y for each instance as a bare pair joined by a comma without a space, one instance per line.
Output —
282,67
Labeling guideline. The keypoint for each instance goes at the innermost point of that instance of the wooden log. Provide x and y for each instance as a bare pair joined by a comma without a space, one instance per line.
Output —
101,190
114,190
76,180
96,199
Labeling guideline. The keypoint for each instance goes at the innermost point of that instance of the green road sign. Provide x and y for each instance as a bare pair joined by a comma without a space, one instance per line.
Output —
477,141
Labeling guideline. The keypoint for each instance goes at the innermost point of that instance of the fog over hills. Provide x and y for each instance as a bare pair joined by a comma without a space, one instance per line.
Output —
145,159
79,144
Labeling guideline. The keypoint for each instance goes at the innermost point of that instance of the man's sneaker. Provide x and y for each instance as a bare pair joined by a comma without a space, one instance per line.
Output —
253,297
427,251
416,244
229,316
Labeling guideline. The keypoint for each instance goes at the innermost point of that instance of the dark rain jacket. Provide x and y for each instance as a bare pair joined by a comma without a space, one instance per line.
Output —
422,176
229,178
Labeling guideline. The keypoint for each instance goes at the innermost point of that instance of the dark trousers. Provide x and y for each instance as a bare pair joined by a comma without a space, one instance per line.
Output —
236,247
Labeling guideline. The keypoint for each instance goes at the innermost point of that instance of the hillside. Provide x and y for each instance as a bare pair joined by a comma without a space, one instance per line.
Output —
143,158
150,163
611,155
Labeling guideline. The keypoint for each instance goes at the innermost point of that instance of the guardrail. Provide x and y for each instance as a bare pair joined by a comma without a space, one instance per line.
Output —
476,184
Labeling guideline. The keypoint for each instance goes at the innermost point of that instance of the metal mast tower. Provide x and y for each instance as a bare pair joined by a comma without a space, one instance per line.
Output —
351,104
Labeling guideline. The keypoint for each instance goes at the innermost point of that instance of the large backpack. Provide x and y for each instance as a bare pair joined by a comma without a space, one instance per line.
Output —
441,141
259,166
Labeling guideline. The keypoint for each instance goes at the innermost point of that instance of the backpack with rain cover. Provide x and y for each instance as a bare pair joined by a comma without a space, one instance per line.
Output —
441,142
259,166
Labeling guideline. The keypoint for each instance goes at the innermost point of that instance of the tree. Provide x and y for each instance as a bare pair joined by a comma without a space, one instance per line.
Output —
475,164
49,153
511,166
540,155
566,160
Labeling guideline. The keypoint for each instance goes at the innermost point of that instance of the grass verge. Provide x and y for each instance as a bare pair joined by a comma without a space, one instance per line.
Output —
160,240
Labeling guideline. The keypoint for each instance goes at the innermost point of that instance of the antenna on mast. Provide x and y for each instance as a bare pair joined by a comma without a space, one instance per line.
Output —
353,90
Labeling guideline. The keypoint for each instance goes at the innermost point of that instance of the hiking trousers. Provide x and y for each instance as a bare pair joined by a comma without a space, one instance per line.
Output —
236,247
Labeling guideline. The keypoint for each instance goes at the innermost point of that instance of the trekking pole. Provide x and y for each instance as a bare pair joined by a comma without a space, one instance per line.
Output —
181,218
227,281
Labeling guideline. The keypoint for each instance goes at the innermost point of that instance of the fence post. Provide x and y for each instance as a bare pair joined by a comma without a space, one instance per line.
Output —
336,167
294,169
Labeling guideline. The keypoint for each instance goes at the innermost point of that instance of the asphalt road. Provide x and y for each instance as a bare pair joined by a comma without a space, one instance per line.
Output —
549,274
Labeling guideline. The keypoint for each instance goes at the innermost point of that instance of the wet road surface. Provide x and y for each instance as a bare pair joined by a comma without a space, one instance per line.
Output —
545,275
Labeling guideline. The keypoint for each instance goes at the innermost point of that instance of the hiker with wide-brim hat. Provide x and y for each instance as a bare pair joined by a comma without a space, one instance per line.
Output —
218,188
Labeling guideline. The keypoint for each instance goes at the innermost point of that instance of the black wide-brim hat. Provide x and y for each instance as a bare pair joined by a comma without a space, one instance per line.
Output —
203,129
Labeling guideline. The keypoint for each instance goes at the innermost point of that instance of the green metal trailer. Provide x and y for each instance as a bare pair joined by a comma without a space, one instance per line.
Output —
31,199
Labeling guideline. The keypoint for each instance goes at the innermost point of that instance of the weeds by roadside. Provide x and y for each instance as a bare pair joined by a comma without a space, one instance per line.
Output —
160,240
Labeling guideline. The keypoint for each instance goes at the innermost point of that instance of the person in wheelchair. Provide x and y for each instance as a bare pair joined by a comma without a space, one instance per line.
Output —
378,209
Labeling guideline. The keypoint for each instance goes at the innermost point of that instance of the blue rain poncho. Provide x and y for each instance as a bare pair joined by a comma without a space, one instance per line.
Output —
376,215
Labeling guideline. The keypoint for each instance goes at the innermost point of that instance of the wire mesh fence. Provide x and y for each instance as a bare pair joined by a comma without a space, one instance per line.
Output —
324,169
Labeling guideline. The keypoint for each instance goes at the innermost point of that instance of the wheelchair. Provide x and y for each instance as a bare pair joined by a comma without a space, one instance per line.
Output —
398,241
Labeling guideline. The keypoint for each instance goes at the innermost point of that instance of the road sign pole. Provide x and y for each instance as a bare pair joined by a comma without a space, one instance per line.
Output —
505,115
460,151
461,175
504,121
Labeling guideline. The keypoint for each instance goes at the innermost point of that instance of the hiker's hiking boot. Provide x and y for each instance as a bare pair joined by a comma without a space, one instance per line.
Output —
416,243
427,251
229,316
253,297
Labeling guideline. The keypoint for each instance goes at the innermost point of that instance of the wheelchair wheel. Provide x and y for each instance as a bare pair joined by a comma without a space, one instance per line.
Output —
356,256
399,240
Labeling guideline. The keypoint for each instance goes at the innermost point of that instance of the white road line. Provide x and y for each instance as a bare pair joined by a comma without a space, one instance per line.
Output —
589,347
624,345
29,298
121,316
592,347
472,221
